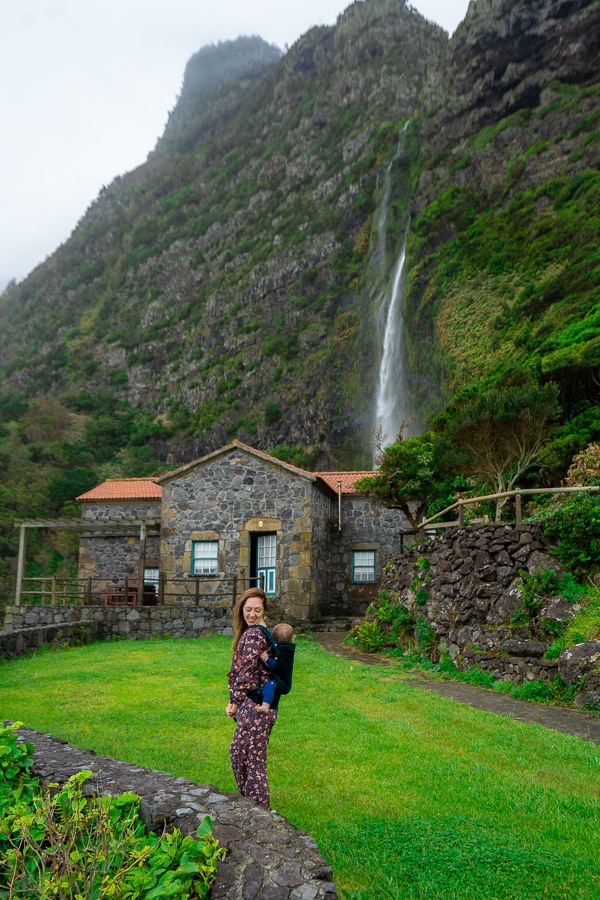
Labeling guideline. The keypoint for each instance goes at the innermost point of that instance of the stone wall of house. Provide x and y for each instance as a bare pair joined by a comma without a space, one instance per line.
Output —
266,856
110,558
229,498
324,517
366,525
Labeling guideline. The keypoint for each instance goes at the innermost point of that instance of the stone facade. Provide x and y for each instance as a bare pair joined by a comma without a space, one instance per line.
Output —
231,497
234,497
112,557
365,525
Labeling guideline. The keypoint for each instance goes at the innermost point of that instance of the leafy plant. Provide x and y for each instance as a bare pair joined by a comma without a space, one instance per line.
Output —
424,635
58,842
422,596
574,523
371,637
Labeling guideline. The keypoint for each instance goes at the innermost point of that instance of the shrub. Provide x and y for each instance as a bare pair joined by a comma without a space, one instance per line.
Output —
575,526
273,413
371,637
424,635
58,842
421,597
397,621
536,589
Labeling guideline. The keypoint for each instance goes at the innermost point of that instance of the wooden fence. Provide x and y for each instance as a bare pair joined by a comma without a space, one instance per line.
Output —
517,494
52,591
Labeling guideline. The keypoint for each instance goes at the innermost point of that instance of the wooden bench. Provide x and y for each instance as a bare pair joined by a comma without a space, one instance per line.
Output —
116,596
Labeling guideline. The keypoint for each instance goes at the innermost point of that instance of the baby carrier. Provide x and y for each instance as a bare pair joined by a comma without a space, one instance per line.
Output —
283,653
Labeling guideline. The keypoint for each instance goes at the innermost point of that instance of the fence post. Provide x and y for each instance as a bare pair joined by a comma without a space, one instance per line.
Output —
161,587
21,564
234,588
89,590
53,591
518,515
461,514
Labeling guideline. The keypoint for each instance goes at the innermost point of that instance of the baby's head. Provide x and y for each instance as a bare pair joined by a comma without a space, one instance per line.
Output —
283,633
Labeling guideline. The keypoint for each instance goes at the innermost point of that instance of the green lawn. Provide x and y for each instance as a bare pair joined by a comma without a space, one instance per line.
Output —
408,794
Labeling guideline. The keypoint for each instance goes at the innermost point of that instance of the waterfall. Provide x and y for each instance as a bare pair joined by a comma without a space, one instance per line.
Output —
392,406
393,398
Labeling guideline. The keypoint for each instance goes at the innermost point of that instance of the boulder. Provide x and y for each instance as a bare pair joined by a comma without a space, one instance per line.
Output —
541,561
557,609
506,605
588,699
579,662
534,649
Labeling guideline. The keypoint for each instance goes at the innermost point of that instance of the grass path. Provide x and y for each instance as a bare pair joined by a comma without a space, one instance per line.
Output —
408,794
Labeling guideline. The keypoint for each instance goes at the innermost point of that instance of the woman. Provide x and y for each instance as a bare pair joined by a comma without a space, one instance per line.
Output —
248,750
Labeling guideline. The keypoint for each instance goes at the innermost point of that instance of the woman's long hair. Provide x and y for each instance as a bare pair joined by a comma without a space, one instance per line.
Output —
239,623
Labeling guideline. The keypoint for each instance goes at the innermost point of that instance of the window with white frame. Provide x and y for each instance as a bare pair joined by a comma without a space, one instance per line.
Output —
205,557
151,575
266,562
363,565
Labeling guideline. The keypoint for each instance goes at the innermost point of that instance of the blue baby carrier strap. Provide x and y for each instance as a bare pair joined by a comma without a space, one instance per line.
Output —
284,653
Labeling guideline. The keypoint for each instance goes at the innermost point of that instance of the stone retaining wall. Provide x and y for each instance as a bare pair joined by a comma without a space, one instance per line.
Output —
466,584
27,640
39,625
267,859
511,668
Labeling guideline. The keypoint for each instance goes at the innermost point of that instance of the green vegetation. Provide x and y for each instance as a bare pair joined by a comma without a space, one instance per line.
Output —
54,449
489,436
537,589
574,524
59,842
407,478
407,794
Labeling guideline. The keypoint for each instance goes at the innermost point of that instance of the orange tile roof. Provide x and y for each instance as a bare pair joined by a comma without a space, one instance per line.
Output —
348,480
124,489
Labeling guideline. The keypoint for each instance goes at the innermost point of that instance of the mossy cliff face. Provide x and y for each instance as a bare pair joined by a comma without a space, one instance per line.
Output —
222,288
504,234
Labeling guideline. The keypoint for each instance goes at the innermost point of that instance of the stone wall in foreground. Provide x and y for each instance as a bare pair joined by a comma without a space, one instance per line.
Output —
267,858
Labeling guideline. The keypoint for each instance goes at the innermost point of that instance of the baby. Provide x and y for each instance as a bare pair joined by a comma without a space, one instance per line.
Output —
281,660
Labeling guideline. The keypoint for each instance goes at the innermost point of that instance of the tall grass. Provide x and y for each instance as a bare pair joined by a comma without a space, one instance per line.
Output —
408,794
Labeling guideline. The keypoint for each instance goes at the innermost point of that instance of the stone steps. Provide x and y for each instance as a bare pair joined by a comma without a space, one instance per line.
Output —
333,623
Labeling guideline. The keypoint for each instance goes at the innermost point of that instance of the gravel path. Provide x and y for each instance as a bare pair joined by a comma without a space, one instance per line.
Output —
559,718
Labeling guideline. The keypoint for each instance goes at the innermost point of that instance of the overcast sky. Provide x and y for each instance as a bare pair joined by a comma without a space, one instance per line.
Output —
86,87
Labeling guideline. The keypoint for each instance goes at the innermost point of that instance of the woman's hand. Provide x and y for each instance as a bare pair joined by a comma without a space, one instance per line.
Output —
231,710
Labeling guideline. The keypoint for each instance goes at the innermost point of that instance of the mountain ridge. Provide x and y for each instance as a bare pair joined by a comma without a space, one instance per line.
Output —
219,289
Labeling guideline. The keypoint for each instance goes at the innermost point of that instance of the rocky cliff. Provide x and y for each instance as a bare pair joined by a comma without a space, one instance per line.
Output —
217,286
222,288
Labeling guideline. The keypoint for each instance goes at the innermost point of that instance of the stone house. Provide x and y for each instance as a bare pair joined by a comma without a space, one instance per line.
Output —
317,547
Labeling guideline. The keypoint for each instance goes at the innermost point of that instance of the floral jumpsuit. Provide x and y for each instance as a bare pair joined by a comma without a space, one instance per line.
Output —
248,750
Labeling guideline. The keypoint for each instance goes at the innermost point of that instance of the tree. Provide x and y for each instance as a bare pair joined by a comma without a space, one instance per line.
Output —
408,478
500,433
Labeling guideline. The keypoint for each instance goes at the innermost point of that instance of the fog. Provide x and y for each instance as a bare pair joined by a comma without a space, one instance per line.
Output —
86,87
